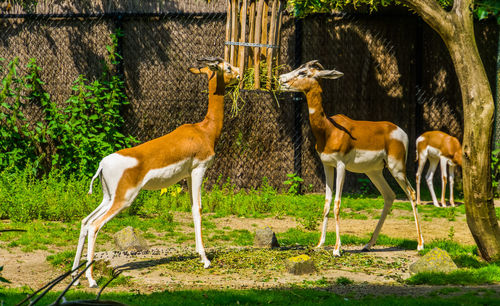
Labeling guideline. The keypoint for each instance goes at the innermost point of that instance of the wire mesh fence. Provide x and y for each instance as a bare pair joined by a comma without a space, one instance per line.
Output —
395,69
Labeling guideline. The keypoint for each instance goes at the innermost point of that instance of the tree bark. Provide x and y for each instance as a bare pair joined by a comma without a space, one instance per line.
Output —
456,28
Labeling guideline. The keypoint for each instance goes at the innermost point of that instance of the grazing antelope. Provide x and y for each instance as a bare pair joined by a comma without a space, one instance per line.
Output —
358,146
438,147
186,152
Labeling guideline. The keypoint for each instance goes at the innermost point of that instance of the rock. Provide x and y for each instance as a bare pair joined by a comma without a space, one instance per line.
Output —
129,239
301,264
437,260
265,238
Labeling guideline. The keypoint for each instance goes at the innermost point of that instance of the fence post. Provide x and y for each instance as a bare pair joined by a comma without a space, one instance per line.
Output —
297,103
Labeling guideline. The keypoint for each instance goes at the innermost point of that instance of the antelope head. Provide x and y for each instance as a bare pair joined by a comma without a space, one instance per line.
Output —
211,65
306,77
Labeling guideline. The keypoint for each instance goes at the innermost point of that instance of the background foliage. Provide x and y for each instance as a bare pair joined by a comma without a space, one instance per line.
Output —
483,8
71,137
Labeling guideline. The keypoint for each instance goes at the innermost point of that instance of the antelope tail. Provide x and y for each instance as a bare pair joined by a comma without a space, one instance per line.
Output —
99,170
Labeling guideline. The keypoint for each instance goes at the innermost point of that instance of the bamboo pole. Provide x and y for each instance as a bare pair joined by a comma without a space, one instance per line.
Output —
263,37
251,34
271,41
277,35
242,49
256,55
228,30
234,31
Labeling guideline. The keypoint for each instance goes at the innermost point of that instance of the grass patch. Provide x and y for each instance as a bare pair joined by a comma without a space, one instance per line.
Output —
242,237
486,275
62,260
295,296
296,236
344,281
39,234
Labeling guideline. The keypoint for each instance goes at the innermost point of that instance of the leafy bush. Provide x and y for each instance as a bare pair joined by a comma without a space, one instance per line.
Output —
294,181
72,137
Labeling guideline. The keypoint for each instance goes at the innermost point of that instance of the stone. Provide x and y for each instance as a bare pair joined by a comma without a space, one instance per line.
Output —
437,260
265,238
129,239
302,264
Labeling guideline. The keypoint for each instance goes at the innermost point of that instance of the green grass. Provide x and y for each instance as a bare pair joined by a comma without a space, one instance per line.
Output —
486,275
310,238
58,198
62,260
260,297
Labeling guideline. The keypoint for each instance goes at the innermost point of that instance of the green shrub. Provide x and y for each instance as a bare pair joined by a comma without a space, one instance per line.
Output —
72,137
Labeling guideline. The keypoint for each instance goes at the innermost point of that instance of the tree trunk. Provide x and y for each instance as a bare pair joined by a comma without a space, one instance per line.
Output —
478,108
456,28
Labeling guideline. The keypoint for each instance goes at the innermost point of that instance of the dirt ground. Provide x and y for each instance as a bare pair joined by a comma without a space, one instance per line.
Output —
146,271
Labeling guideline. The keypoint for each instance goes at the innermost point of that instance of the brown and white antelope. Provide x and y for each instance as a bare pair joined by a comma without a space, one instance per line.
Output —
186,152
437,146
357,146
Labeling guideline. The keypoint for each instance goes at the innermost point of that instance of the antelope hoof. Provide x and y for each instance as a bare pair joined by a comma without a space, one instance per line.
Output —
93,284
73,276
420,247
206,263
336,253
436,204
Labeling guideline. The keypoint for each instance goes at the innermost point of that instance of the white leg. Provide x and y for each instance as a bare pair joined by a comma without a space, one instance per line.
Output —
336,208
400,177
444,176
106,201
430,175
83,233
328,201
97,223
422,159
452,178
196,182
379,181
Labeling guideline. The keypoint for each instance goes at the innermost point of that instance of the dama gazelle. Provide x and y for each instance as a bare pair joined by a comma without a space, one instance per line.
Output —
357,146
437,146
186,152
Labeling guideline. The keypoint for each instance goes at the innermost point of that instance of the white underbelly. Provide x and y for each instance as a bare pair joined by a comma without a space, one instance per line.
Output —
433,153
359,161
163,177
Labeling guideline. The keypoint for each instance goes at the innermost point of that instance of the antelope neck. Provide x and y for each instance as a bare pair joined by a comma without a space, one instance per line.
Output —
317,117
214,118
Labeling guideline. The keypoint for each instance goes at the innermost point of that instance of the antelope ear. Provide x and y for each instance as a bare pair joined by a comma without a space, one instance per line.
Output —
314,64
211,61
194,70
329,74
214,66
